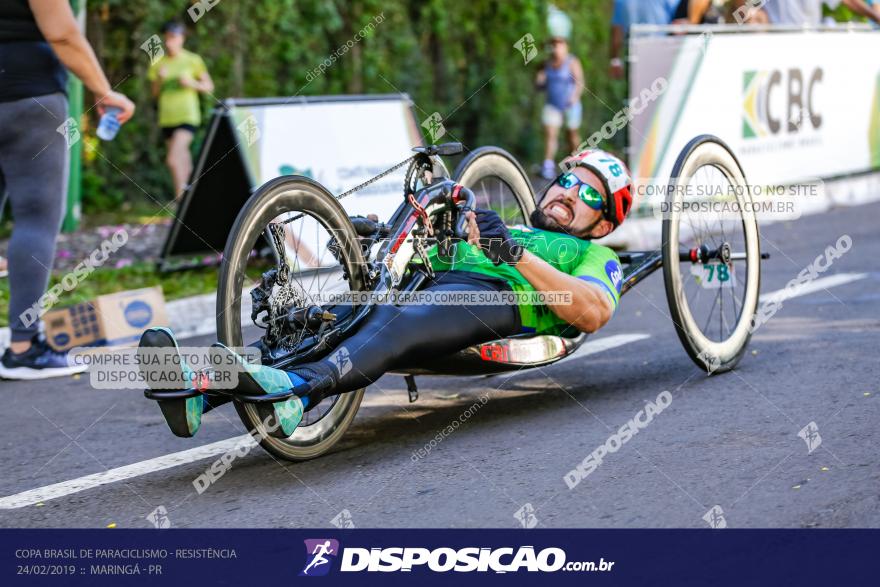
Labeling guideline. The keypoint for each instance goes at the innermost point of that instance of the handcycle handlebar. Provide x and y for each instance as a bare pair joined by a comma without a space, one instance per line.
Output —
453,194
443,149
465,200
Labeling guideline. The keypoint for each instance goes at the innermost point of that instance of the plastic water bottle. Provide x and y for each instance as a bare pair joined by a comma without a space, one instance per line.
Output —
109,124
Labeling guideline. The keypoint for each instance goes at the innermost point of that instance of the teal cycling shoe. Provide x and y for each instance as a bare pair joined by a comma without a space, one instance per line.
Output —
164,369
280,418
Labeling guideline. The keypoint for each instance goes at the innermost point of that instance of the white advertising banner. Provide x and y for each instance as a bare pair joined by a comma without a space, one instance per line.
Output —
340,144
338,141
792,106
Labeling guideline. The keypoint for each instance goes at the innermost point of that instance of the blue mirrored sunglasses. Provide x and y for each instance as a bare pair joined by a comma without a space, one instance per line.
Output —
587,193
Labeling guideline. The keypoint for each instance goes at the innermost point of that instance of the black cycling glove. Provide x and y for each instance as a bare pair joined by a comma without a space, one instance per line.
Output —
496,241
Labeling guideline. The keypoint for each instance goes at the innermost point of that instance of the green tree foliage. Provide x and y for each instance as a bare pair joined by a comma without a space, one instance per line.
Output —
455,57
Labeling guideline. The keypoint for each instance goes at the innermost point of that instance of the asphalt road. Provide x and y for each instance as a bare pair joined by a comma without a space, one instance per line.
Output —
729,440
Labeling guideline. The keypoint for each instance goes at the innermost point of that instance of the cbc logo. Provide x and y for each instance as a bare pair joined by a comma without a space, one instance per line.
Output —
780,101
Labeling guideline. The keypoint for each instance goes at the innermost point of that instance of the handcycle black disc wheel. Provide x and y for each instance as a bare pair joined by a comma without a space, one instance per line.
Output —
712,298
314,217
499,183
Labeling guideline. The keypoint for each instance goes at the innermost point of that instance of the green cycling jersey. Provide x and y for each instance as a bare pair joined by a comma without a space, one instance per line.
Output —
579,258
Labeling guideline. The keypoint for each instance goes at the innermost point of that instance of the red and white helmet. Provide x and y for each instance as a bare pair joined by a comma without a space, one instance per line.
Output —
614,176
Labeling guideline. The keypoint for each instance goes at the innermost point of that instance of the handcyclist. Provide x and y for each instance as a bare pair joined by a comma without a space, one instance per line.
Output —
557,254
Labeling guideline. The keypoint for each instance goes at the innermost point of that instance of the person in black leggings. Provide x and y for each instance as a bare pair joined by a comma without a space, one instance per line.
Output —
38,38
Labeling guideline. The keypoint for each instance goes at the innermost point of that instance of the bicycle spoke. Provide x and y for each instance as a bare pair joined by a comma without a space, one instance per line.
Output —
709,318
736,312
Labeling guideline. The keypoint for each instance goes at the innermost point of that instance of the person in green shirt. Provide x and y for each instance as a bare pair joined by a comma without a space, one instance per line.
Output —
178,77
556,255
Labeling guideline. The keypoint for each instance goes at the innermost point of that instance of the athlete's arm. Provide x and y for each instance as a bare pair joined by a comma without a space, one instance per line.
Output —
589,310
577,73
206,84
616,63
861,8
59,27
203,84
541,78
697,10
619,18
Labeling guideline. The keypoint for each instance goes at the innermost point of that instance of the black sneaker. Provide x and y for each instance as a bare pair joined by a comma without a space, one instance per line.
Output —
40,361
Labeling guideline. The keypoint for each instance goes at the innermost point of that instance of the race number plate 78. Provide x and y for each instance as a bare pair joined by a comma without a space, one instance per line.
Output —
714,275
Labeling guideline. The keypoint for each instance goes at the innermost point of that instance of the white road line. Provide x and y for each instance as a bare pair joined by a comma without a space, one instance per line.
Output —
779,296
26,498
33,496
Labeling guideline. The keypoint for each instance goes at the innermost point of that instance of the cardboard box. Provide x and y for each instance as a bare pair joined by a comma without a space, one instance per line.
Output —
73,326
114,319
125,315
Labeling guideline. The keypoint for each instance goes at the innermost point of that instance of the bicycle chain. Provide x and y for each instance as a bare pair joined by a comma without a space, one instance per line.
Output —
286,292
361,186
277,231
376,178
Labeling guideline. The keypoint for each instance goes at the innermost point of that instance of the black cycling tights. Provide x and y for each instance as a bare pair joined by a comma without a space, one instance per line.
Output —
402,336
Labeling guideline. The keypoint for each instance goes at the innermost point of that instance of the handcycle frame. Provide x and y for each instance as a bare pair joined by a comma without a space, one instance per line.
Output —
403,231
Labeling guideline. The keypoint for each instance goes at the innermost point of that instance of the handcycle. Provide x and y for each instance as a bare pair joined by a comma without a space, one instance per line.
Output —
314,247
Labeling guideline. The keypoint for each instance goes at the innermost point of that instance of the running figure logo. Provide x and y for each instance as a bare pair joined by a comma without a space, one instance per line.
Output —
70,131
319,555
810,435
434,125
526,45
526,516
715,517
153,48
250,130
341,359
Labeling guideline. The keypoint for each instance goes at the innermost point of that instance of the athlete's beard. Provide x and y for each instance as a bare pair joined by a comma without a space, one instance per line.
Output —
544,222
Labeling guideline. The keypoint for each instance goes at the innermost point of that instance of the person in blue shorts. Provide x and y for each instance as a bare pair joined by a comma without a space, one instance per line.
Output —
562,78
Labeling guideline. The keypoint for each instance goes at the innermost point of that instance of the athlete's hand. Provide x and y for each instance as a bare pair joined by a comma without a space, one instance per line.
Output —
615,68
541,79
473,231
487,230
121,101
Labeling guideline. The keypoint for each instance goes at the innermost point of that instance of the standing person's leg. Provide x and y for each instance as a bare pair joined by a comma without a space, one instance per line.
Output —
551,142
34,159
551,118
574,139
35,162
179,158
3,263
573,124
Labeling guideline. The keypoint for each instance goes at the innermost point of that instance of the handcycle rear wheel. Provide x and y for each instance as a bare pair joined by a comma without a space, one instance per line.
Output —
701,246
499,183
311,211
